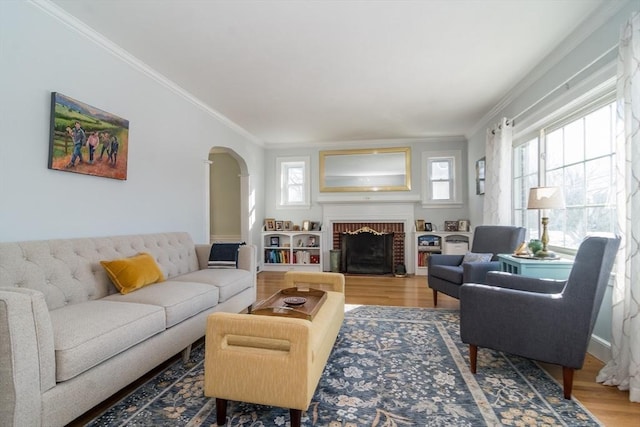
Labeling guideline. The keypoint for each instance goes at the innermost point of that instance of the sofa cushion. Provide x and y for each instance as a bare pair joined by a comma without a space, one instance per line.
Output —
224,255
180,300
450,273
89,333
132,273
229,281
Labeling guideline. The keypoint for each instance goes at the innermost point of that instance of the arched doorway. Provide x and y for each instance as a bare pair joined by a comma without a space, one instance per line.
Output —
228,189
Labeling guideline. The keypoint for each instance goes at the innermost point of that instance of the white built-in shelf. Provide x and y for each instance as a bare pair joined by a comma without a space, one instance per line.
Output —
427,243
292,250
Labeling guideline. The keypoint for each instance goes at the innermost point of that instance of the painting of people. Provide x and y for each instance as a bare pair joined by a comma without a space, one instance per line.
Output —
87,140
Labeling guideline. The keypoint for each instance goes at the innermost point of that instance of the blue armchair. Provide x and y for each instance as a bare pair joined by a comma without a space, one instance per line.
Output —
541,319
446,273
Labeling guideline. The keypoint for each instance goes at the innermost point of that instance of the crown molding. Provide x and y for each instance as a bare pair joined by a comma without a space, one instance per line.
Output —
92,35
594,21
358,143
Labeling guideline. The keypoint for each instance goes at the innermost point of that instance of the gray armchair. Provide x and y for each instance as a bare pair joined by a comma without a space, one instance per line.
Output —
541,319
446,273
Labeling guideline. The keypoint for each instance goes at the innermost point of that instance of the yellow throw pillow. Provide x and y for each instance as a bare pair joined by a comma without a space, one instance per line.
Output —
133,273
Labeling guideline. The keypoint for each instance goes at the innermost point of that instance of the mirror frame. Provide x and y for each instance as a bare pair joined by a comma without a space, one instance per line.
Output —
364,159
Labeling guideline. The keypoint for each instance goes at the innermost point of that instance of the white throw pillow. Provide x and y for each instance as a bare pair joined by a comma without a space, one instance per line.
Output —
474,257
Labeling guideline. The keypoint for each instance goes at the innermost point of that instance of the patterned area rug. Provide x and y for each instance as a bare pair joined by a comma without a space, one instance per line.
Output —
390,367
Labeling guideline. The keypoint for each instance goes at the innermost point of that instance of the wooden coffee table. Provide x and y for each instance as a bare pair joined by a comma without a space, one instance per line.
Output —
283,303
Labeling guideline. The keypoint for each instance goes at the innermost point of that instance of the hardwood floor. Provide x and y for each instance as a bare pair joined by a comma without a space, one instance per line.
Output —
610,405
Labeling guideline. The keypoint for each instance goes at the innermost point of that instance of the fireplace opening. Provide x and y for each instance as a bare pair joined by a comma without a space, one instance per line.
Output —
366,251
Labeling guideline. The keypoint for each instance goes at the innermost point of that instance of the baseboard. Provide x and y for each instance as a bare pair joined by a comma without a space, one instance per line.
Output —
599,348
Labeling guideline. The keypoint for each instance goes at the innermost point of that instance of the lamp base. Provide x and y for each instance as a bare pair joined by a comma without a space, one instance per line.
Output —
545,254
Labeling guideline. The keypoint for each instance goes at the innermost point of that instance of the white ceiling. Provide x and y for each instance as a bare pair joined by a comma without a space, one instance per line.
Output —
315,71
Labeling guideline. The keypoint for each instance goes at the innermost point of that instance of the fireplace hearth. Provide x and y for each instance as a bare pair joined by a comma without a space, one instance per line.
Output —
366,251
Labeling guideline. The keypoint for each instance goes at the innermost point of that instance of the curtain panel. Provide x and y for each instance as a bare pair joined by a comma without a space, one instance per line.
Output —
498,180
623,370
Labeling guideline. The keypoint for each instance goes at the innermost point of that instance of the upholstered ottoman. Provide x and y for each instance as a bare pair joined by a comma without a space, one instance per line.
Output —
271,360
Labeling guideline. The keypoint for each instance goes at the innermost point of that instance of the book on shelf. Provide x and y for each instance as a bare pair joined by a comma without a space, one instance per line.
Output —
302,257
276,256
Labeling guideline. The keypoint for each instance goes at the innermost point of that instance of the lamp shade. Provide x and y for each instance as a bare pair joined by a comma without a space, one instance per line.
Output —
545,198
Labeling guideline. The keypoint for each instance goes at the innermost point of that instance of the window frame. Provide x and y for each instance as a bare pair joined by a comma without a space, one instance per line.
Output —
456,187
590,103
281,167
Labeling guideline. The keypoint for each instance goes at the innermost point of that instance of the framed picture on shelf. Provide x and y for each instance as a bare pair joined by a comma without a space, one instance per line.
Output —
315,226
269,224
274,241
428,226
312,241
306,225
288,226
463,225
279,225
451,225
420,225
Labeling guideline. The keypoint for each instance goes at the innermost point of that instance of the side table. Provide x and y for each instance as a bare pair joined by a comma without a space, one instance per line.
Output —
541,268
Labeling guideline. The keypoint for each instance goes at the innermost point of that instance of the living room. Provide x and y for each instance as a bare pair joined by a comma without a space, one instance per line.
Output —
46,49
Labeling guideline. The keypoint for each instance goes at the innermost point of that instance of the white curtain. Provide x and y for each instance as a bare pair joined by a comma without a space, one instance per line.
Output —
497,186
624,369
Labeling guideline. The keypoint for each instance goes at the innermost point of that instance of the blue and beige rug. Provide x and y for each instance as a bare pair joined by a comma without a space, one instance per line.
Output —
390,367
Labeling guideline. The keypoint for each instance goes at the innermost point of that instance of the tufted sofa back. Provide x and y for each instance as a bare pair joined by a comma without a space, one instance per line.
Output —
68,271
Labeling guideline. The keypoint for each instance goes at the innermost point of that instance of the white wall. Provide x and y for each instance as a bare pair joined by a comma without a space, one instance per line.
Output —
437,216
169,135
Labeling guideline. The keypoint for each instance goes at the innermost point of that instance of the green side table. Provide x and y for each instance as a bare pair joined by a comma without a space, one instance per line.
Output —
540,268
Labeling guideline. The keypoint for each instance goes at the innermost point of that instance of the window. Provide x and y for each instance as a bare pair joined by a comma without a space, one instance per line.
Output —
580,159
441,172
577,154
293,175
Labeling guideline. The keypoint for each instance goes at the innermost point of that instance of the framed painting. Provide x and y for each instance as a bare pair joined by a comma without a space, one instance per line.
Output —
86,140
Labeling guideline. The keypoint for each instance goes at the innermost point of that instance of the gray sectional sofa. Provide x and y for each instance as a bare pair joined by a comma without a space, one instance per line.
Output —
69,339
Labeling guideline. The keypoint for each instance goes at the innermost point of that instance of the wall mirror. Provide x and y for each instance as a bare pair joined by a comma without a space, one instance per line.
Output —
379,169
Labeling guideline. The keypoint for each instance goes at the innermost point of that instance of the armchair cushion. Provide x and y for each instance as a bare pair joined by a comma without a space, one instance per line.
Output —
477,257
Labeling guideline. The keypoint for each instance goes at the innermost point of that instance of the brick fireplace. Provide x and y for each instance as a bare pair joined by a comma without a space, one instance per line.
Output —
397,228
394,216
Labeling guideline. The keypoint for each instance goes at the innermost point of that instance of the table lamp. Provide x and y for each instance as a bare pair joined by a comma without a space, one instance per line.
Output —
545,198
